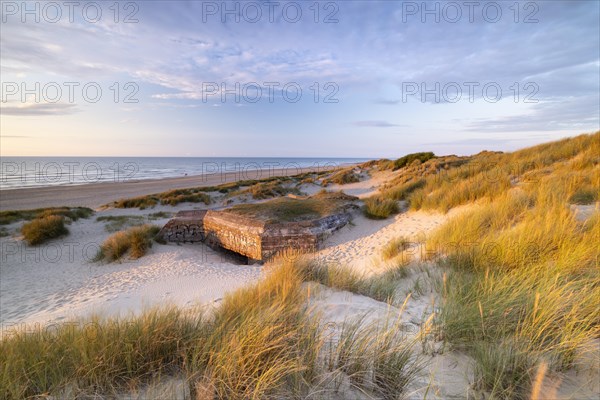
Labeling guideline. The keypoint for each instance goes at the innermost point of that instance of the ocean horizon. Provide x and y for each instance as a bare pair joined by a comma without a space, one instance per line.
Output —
32,172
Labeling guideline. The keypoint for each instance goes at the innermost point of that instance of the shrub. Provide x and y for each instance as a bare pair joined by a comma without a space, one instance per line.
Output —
380,208
136,241
409,158
44,228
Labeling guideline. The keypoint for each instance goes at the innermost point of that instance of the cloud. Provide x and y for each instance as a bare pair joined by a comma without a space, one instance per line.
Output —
374,124
41,109
580,113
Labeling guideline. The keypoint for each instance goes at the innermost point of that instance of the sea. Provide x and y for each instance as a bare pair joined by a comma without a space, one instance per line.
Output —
31,172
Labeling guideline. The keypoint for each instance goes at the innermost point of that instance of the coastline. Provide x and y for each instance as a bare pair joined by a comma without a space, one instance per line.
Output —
94,195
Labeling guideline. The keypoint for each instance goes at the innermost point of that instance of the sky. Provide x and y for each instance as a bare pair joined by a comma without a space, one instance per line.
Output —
295,78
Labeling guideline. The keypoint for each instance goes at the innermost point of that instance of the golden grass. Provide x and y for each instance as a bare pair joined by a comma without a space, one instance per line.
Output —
260,343
134,242
43,229
523,274
380,208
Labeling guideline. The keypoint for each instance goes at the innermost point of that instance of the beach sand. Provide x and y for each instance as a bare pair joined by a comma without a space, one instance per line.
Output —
94,195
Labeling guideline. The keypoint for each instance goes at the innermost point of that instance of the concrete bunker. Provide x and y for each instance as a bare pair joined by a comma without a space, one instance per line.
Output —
260,230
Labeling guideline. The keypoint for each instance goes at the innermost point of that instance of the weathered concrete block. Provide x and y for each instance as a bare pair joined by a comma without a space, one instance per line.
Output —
250,237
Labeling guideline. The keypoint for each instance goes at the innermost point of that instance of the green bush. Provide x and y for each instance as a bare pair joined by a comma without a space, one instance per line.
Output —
409,158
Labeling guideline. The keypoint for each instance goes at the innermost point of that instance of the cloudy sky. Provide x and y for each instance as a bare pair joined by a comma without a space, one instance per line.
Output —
304,78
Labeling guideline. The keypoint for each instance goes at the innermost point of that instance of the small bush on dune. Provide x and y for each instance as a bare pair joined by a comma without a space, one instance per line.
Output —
410,158
380,208
43,229
136,241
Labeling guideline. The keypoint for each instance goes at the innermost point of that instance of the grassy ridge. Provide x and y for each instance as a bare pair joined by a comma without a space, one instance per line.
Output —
522,270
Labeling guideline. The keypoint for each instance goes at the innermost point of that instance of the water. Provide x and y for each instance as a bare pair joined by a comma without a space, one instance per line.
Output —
26,172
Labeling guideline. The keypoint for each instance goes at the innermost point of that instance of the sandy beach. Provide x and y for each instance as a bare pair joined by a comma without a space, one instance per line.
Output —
94,195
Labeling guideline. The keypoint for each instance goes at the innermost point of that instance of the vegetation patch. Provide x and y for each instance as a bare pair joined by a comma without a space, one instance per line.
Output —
43,229
411,158
342,177
267,190
115,223
134,242
294,210
73,213
520,289
378,207
395,247
584,196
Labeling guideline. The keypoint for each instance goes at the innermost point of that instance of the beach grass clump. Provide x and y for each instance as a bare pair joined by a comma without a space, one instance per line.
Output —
95,355
404,190
376,358
44,228
342,177
378,207
135,242
72,213
395,247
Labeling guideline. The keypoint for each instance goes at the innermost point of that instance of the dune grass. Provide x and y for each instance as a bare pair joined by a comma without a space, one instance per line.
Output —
342,177
394,248
262,342
522,273
43,229
134,242
411,158
172,198
73,213
378,207
293,210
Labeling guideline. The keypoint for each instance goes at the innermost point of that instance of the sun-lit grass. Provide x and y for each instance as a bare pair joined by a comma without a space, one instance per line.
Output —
43,229
133,242
394,248
378,207
72,213
522,271
261,342
342,177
